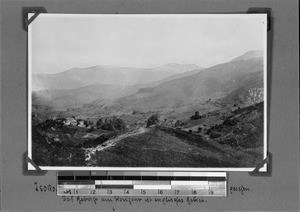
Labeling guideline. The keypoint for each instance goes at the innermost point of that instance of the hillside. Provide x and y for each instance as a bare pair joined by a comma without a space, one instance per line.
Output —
237,141
249,55
107,75
63,99
156,148
211,83
74,98
243,129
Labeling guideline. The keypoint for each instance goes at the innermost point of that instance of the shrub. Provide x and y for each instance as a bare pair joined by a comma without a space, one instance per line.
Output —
154,119
118,124
215,135
114,124
135,112
230,122
195,116
99,122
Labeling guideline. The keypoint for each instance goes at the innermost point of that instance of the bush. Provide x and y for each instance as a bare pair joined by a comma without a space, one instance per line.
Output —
152,120
208,132
51,123
215,135
99,122
114,124
135,112
195,116
230,122
118,124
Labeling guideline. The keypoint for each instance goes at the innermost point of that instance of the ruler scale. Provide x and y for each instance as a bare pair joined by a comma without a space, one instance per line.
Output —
106,183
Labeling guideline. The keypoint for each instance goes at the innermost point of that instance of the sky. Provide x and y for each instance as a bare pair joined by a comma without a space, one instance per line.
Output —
58,42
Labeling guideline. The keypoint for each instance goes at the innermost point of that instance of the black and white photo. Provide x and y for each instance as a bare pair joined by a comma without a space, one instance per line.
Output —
147,92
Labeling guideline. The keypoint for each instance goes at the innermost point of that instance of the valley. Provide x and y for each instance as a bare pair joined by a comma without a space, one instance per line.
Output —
195,117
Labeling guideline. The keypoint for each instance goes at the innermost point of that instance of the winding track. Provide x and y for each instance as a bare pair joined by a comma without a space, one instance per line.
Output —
111,142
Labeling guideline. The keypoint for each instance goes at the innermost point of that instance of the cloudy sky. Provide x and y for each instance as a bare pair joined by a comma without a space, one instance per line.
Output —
60,42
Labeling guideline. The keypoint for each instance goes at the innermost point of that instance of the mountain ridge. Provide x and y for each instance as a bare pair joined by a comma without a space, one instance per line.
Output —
210,83
178,89
249,55
74,97
78,77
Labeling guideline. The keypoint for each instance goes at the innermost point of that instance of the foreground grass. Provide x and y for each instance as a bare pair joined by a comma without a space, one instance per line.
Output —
157,148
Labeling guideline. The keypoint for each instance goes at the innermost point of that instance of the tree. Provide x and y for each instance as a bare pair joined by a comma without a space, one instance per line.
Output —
196,116
99,122
118,124
114,124
154,119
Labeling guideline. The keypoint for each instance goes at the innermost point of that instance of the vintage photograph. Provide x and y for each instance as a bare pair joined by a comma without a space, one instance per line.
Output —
147,92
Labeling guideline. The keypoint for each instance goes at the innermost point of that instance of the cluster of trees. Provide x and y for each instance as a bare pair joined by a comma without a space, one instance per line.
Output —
230,122
111,124
154,119
58,123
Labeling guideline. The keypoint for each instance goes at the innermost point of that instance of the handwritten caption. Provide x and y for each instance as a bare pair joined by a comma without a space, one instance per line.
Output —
49,188
131,200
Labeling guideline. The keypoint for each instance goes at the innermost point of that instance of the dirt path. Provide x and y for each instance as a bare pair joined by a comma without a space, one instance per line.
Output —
111,142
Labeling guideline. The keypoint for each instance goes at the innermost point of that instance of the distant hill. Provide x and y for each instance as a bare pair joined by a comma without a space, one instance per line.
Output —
71,98
249,55
228,83
77,97
211,83
80,77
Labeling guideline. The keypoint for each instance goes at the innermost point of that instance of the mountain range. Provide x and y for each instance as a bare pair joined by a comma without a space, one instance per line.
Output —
106,75
165,87
211,83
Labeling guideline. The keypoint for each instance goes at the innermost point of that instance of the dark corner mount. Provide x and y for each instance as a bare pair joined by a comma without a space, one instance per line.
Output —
268,173
26,172
26,10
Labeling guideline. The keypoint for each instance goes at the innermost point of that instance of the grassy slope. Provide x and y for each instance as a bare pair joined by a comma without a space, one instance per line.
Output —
157,148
